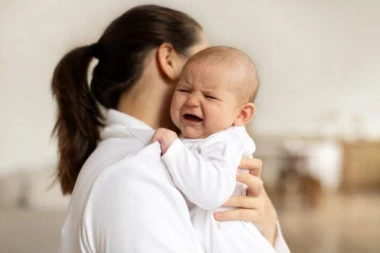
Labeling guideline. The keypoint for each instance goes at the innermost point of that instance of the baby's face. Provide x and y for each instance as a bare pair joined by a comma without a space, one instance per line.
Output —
205,100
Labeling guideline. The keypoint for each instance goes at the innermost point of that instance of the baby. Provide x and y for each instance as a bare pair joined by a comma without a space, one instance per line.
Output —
212,103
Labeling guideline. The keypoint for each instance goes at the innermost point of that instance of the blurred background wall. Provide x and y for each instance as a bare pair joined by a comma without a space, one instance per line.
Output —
318,63
318,104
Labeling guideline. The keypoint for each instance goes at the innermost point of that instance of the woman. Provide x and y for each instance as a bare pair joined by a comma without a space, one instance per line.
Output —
123,199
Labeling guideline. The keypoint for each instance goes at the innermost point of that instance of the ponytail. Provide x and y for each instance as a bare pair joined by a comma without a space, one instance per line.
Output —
121,52
78,116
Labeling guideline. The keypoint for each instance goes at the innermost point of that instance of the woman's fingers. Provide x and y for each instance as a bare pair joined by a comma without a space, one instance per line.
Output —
255,184
259,210
250,215
241,202
254,165
256,207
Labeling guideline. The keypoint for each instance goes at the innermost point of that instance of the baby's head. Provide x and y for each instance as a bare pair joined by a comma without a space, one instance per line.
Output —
215,91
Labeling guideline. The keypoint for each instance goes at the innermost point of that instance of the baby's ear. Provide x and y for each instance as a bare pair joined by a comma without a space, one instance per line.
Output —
245,114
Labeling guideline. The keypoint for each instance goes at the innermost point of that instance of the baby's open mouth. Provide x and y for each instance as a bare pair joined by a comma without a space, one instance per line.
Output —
192,117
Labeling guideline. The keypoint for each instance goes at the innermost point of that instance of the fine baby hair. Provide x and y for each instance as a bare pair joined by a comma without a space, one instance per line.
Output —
233,60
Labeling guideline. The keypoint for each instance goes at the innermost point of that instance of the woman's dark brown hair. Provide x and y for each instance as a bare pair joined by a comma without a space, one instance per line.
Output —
121,51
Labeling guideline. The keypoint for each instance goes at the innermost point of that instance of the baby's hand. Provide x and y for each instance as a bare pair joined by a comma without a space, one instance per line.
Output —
165,137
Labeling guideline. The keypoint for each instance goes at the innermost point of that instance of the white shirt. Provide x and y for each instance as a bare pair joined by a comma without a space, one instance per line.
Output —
205,172
124,199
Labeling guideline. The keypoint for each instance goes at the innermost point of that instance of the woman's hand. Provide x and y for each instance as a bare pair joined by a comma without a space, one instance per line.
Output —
256,207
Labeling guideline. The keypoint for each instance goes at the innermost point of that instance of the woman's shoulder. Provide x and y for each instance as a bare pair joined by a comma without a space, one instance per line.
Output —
142,164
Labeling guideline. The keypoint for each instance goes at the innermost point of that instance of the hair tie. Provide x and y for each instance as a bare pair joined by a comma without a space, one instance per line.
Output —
95,51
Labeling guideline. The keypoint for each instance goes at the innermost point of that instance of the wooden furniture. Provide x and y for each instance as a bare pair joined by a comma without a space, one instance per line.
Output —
361,165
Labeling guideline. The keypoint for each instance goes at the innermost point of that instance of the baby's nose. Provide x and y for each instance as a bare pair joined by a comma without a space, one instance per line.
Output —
192,100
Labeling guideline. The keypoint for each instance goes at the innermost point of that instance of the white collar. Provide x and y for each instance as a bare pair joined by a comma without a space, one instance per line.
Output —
120,124
115,117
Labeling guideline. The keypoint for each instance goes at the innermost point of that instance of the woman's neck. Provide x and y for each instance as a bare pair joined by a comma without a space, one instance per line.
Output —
149,98
149,102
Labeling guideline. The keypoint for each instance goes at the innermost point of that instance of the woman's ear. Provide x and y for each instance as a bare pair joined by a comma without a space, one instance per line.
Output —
245,114
169,61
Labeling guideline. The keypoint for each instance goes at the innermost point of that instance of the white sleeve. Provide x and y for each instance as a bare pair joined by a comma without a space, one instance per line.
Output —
207,176
280,245
135,207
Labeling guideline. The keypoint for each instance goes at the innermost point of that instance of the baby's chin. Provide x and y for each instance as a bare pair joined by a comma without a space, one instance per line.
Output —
193,134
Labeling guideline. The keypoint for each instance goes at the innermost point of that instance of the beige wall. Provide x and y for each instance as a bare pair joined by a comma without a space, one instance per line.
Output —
318,61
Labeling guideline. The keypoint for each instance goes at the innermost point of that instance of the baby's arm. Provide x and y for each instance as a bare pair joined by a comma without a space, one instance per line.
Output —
206,176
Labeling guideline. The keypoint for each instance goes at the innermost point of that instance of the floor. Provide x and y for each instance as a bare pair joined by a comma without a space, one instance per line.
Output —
344,223
30,231
341,224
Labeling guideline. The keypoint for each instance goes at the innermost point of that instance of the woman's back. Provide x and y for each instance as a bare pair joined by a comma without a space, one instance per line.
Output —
123,197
